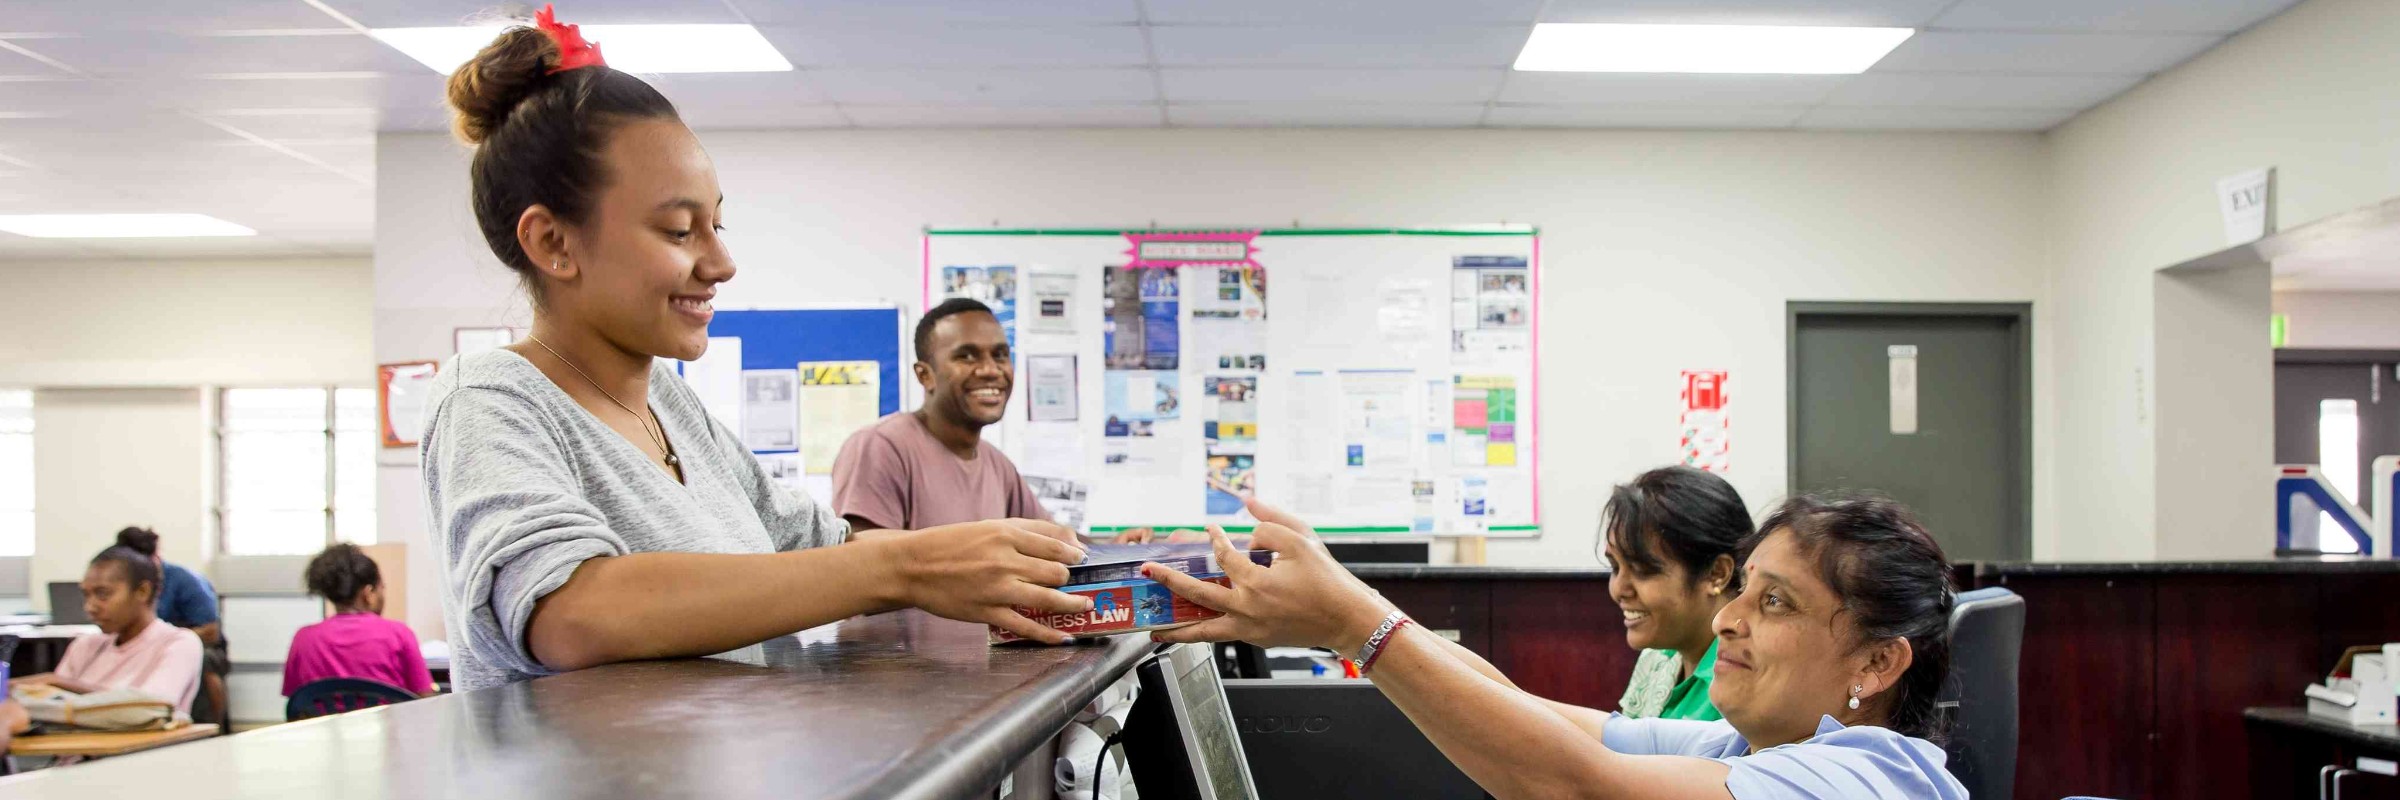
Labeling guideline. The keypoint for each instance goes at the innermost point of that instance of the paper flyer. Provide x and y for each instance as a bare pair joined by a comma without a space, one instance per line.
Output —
1143,456
1138,399
1052,448
1229,344
1142,326
1050,302
1315,433
1229,293
1375,419
1491,306
1229,415
1063,498
1229,424
992,286
836,399
1484,419
1050,390
786,469
1706,442
1229,480
717,378
770,410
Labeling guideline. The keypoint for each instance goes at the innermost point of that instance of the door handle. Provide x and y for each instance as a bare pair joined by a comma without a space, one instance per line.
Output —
2338,775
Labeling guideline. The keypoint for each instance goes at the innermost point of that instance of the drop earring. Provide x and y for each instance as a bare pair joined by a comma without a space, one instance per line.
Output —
1854,690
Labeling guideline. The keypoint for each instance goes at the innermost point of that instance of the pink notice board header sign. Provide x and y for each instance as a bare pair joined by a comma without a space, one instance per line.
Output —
1192,249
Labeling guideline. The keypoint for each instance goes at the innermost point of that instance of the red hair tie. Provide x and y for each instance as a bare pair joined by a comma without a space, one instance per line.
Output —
573,51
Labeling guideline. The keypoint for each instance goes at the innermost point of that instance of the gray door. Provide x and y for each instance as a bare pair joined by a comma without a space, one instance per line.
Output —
2300,392
1964,467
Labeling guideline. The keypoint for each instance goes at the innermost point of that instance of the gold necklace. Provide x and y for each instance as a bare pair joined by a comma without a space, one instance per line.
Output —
656,437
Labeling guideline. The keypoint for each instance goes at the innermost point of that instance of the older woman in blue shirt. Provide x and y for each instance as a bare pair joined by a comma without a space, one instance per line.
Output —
1827,666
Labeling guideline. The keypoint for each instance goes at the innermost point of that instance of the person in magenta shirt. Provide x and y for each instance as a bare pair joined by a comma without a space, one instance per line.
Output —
357,641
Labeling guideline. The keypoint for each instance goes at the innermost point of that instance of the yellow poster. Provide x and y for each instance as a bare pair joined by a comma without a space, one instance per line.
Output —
836,399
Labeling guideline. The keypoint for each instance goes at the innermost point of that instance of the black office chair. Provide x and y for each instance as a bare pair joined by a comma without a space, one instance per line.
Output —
337,695
1979,699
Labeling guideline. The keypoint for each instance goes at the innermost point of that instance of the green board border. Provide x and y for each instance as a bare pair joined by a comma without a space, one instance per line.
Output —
1263,232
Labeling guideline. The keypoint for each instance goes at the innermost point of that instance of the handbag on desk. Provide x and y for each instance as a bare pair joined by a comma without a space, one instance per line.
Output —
108,710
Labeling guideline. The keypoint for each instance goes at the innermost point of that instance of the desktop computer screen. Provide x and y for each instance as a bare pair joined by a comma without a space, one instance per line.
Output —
1191,748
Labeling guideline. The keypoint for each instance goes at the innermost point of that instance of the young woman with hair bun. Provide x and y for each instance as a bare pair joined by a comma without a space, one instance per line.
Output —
586,507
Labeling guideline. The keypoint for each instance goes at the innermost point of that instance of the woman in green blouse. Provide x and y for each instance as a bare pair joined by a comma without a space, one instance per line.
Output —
1672,535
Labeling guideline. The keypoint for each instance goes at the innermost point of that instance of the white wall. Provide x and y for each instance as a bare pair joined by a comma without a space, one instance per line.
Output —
2361,319
120,351
2132,190
1663,251
107,458
185,323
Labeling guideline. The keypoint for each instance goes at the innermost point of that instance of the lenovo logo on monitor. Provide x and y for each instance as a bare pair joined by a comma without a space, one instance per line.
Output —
1284,724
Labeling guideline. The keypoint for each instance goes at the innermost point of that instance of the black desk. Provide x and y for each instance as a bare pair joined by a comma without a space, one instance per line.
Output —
2290,750
899,705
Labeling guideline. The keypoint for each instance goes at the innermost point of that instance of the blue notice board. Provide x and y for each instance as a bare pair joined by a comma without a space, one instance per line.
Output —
781,339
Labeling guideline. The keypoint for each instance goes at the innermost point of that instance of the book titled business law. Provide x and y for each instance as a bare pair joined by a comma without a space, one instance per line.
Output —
1125,602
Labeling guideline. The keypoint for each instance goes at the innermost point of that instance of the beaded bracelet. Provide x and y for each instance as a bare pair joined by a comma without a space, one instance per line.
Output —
1392,623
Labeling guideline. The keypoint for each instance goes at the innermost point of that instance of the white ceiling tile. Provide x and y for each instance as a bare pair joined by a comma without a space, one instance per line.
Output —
167,92
1934,119
1340,46
1253,12
763,116
144,54
434,13
1979,91
1030,87
1879,13
82,16
302,123
1619,116
960,46
939,12
2044,53
726,91
1341,86
14,66
2152,16
1123,116
1327,115
1560,88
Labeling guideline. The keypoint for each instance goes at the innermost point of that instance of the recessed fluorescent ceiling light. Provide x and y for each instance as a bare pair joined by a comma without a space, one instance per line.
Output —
1756,49
119,226
632,48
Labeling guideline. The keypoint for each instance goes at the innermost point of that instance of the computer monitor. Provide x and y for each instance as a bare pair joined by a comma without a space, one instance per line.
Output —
1334,739
1181,741
66,604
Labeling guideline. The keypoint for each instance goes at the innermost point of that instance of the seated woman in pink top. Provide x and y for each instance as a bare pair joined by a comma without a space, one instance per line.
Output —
356,642
133,650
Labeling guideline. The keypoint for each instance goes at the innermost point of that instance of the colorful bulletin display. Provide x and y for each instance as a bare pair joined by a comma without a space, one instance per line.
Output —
1378,382
793,384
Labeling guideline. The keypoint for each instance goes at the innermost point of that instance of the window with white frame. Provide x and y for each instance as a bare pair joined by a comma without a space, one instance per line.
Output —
16,472
296,469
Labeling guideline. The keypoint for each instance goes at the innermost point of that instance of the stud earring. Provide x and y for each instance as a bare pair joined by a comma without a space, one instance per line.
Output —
559,264
1854,690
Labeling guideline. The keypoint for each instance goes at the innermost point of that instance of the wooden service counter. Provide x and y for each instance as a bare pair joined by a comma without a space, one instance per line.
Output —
898,705
2133,679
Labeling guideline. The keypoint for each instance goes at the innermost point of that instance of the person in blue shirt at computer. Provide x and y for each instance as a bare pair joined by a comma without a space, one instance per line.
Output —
1828,661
